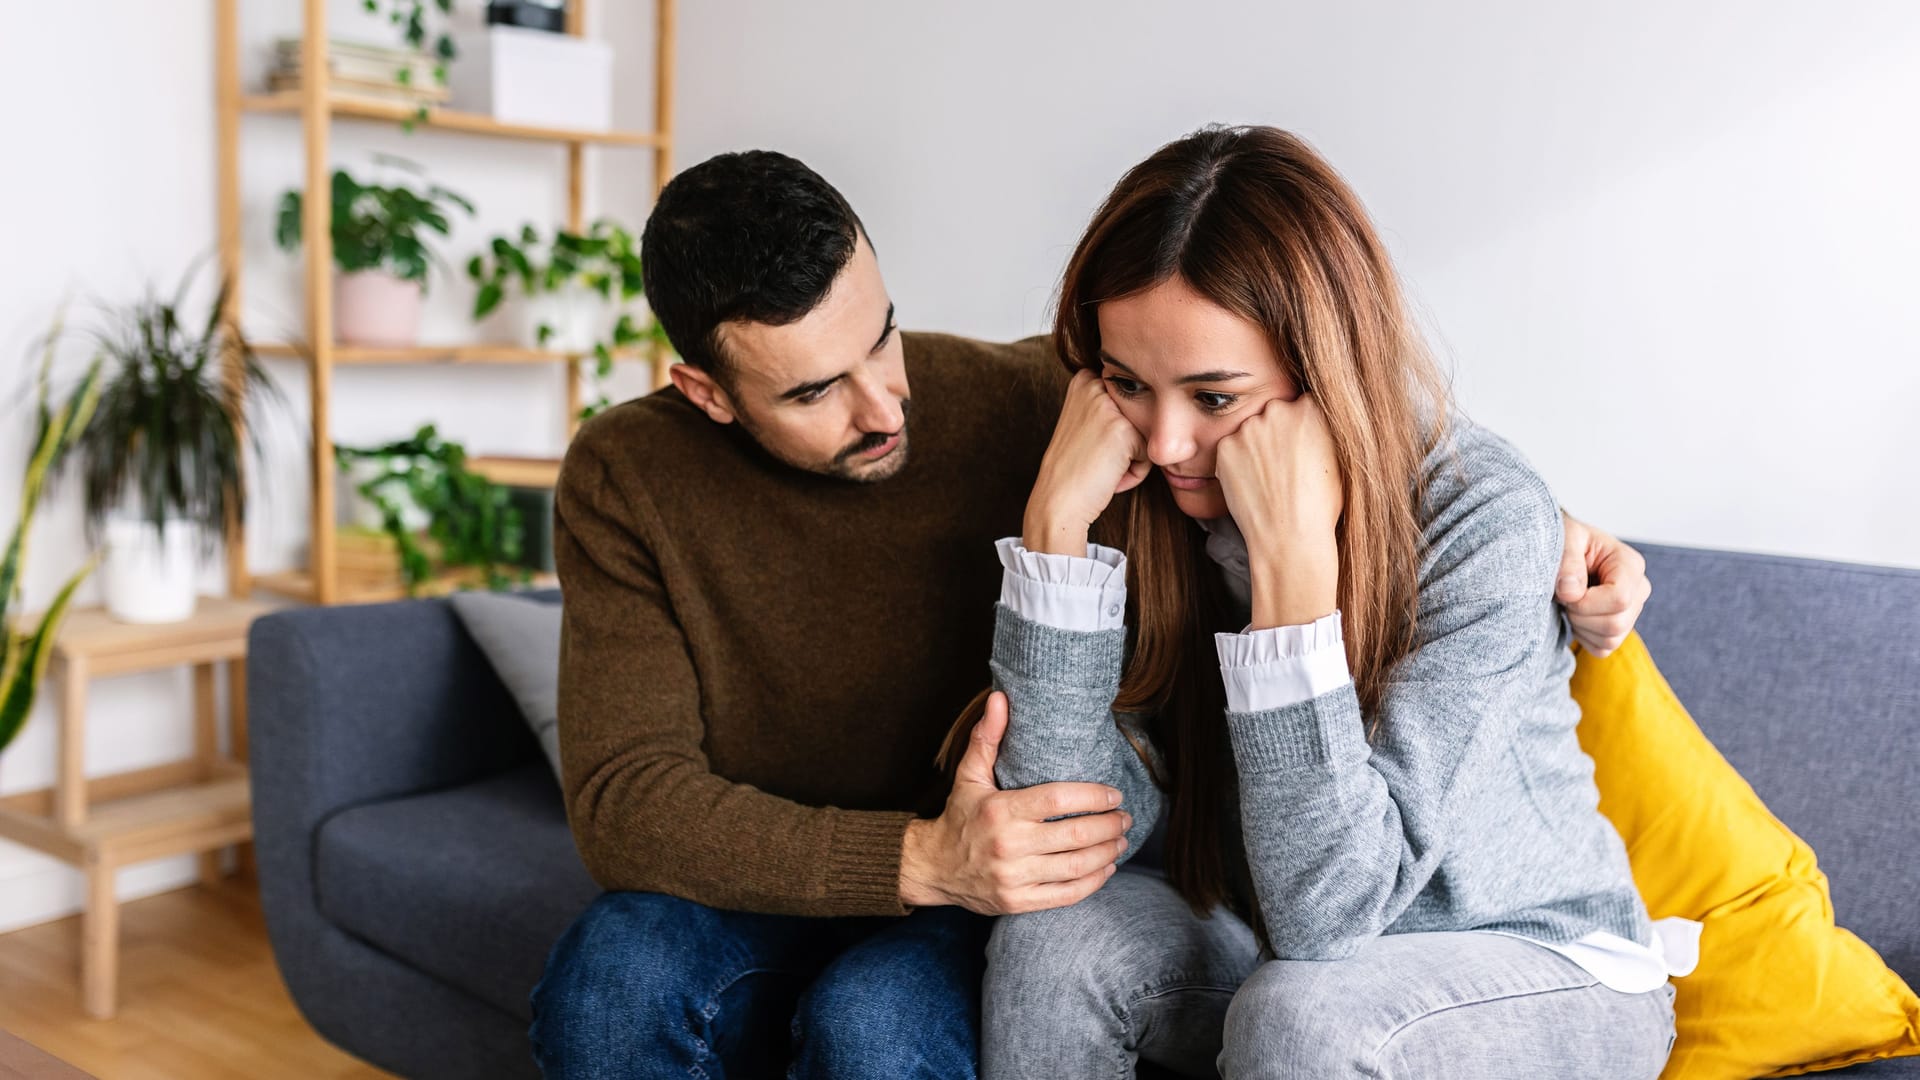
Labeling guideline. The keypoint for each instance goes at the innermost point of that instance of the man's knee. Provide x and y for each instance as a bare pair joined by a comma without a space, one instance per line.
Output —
628,954
900,1006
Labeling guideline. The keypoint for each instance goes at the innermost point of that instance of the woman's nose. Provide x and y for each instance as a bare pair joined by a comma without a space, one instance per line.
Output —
1169,442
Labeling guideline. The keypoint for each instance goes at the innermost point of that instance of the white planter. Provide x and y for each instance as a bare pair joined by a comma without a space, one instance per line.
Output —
580,318
524,76
149,576
376,308
357,509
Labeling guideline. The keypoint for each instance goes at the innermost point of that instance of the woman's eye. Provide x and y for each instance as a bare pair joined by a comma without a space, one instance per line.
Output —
1124,387
1215,402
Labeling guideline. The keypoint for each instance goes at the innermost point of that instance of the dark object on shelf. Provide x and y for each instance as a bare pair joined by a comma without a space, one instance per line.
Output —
532,14
536,520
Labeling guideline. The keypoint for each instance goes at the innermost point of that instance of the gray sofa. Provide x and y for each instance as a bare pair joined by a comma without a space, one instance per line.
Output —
415,863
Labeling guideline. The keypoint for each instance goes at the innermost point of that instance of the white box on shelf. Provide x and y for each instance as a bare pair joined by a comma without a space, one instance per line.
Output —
522,76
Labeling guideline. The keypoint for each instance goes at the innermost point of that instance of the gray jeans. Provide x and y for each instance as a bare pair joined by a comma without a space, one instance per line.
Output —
1131,973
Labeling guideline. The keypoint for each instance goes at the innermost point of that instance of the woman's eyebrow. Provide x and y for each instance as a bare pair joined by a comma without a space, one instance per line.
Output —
1202,377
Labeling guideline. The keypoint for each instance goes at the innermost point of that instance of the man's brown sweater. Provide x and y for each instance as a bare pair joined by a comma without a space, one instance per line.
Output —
757,664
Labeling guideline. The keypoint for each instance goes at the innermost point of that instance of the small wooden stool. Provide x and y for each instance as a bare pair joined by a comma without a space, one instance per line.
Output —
201,804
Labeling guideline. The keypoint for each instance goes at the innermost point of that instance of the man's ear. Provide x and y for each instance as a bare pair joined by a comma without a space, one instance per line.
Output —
704,391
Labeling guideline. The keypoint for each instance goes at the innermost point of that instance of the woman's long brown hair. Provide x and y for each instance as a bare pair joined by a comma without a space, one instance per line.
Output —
1253,219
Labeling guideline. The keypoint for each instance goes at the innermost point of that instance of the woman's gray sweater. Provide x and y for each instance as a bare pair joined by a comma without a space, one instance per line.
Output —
1474,808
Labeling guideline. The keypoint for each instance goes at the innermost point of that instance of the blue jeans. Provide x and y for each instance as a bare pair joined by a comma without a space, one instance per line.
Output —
645,985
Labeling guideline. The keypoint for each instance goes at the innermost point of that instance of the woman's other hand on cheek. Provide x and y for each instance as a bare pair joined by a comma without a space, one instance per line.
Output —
1282,483
1095,454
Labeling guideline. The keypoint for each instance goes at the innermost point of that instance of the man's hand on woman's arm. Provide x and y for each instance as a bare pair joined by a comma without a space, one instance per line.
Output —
1602,584
994,852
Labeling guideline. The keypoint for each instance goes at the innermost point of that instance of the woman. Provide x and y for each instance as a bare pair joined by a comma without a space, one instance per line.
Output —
1383,855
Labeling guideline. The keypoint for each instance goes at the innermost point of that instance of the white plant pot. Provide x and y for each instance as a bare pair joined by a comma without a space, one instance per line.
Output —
580,318
357,509
376,308
149,576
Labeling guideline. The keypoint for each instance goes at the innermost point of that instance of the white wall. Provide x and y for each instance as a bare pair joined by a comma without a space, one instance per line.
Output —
1670,250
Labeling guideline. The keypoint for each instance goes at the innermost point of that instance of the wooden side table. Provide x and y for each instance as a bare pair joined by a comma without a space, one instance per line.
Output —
199,805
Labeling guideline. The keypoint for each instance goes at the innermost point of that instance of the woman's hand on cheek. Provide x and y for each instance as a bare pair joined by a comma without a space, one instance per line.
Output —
1094,455
1281,480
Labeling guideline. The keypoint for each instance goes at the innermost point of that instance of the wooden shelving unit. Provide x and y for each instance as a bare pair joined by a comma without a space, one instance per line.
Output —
317,108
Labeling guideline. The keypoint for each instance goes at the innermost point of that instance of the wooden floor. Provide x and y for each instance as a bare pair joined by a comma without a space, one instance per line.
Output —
200,997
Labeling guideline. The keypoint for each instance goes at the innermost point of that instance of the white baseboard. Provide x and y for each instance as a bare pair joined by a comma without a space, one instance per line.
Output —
54,890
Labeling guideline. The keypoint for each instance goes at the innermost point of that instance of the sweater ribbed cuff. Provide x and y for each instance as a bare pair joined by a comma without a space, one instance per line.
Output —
1309,735
863,862
1077,659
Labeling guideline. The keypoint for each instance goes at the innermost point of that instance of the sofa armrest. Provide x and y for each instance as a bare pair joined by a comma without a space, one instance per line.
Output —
350,705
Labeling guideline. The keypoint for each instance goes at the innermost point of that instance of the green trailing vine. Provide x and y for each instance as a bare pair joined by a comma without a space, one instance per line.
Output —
605,259
411,16
469,516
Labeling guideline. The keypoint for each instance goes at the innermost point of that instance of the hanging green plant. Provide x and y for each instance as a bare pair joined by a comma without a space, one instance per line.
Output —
470,518
411,16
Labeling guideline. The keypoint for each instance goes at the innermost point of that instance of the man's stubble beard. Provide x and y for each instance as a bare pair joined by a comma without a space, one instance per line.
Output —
843,466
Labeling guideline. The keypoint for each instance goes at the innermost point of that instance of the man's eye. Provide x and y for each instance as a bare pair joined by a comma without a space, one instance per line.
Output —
1124,387
1213,402
812,396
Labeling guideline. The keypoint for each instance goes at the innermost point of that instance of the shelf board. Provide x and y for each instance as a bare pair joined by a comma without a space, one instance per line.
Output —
92,633
480,353
517,471
299,584
289,101
159,814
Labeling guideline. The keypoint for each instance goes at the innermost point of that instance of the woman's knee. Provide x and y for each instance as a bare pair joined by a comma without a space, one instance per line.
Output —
1293,1019
1041,959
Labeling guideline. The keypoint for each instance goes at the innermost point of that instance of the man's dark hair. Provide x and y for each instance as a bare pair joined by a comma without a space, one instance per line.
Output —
753,236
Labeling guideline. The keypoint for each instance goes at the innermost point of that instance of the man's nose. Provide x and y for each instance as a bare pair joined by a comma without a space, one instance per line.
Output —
878,409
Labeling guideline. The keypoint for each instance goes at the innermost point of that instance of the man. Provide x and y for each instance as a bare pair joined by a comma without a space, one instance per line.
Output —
778,581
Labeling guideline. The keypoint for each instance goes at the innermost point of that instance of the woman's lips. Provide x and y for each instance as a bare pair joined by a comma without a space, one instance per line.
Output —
1186,483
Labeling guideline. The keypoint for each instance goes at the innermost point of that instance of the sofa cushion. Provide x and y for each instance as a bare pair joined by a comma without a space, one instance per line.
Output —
471,885
1779,989
1805,675
521,636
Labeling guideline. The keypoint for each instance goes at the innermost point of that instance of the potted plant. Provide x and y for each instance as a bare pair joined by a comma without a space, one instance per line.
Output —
574,284
161,462
420,487
24,653
380,250
575,287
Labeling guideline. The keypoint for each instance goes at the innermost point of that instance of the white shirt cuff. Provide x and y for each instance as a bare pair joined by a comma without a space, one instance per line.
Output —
1063,591
1283,665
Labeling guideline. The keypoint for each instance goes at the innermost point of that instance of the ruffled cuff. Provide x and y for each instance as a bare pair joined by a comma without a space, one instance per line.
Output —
1282,665
1062,591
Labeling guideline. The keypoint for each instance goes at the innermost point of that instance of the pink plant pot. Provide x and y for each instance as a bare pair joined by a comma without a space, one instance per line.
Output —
373,307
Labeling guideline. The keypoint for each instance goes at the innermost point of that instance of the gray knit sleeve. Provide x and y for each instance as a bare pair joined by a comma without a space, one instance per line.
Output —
1061,725
1343,836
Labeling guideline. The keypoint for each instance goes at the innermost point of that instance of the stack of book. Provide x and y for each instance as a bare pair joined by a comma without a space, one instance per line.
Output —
367,72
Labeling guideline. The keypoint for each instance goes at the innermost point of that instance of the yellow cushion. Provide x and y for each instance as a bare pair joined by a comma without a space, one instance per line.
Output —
1780,989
